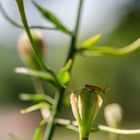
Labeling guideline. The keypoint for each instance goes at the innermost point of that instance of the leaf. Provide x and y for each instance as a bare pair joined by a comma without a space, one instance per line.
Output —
39,130
90,42
64,75
52,18
38,74
36,97
99,51
18,25
35,107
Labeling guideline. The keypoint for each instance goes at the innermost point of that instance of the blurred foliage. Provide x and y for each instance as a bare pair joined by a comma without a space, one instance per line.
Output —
121,73
10,84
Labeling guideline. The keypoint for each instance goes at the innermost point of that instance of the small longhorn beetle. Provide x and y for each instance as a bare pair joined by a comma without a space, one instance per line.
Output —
95,88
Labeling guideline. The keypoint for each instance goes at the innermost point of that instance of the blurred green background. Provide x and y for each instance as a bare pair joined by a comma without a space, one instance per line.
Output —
119,24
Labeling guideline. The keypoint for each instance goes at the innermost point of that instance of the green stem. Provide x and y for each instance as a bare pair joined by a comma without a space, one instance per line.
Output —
118,131
39,88
59,98
74,36
38,85
83,138
20,5
73,126
49,129
13,22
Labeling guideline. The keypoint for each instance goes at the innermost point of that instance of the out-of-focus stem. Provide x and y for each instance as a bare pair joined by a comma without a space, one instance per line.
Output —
21,9
39,88
83,138
38,85
118,131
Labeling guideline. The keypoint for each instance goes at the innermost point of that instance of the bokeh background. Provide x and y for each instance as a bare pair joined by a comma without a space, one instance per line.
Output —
117,21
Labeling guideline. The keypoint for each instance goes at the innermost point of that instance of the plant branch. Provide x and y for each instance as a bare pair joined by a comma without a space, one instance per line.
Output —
68,123
16,24
83,138
49,128
118,131
20,5
71,53
74,37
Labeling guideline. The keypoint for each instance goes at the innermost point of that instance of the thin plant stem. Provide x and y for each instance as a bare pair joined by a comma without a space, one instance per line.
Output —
57,106
118,131
20,5
71,53
38,85
16,24
83,138
39,88
49,128
60,91
74,36
67,123
8,18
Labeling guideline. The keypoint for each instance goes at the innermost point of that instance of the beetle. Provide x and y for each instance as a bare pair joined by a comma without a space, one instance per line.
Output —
95,88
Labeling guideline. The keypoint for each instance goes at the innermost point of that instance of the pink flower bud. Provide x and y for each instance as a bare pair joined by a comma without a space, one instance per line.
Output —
26,51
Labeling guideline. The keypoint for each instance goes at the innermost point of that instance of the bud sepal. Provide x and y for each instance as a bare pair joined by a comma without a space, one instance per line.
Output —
85,106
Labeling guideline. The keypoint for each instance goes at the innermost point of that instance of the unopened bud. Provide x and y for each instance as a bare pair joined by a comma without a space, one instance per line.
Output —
85,106
113,115
26,51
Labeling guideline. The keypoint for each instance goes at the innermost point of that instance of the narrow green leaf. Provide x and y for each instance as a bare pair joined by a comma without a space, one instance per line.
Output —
18,25
39,130
36,98
35,107
90,42
99,51
52,18
64,75
39,74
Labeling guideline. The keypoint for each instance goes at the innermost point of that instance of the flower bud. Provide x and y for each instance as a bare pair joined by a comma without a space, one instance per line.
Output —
85,106
26,51
113,115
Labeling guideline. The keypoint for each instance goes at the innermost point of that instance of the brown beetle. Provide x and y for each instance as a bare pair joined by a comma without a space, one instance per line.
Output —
95,88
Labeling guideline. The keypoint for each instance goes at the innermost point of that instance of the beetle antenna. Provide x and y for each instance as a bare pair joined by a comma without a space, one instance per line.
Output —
106,89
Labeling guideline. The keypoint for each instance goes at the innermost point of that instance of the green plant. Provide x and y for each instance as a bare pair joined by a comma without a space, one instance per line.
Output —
36,68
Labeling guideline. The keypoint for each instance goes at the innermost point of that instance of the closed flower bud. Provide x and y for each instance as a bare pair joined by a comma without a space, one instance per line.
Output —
26,51
85,106
113,115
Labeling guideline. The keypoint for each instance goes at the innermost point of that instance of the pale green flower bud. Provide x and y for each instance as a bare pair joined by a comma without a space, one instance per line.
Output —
113,115
26,51
85,106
